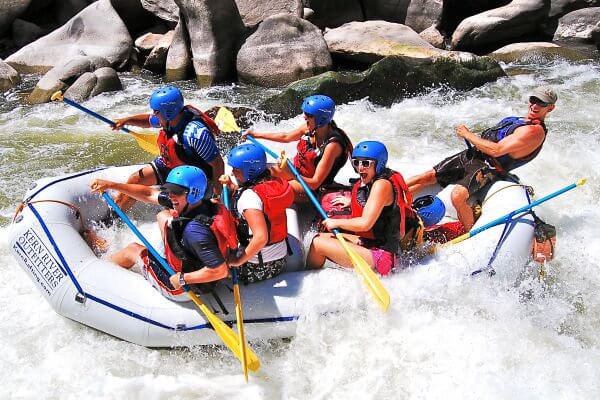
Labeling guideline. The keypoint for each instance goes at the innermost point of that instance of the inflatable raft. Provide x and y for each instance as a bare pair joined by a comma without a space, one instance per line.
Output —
46,239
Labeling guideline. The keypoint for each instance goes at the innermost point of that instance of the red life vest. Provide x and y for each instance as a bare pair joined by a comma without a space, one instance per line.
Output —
402,200
276,195
308,155
222,225
171,144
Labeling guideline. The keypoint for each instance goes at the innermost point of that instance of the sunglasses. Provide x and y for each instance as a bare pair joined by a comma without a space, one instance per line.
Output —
176,192
535,100
357,162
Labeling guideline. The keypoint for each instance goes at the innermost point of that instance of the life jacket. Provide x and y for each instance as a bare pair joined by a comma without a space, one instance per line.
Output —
308,155
170,142
504,128
276,195
222,225
395,220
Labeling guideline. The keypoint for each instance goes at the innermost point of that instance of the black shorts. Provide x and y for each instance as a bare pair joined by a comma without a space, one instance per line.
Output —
465,169
161,171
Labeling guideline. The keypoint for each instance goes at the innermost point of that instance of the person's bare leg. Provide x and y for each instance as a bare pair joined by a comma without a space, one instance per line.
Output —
144,176
325,247
418,182
459,197
128,256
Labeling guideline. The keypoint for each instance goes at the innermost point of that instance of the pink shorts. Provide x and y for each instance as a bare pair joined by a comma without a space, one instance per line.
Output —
384,260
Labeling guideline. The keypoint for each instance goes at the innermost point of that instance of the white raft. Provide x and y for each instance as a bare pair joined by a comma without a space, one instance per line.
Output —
46,241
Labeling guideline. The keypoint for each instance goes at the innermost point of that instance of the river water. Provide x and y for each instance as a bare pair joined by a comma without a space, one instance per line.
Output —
446,335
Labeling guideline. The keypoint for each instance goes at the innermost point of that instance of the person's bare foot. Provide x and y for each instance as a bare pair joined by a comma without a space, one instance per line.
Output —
97,243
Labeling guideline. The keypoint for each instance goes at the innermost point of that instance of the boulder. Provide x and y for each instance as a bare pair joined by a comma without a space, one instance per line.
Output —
422,14
155,62
215,29
90,84
9,77
433,36
333,13
163,9
178,65
558,8
579,26
97,31
61,76
389,80
135,17
386,10
147,41
253,12
283,49
9,11
535,51
455,11
24,32
510,22
64,10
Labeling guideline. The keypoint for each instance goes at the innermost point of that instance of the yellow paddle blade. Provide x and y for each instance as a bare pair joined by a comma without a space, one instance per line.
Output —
146,141
371,280
239,316
226,121
227,335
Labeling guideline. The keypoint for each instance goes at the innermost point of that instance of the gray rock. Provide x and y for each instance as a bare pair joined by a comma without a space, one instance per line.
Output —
284,49
64,10
370,41
333,13
158,56
24,32
108,81
389,80
579,26
215,30
9,77
163,9
81,89
178,65
96,31
253,12
558,8
510,22
147,41
61,76
535,51
421,14
433,36
9,11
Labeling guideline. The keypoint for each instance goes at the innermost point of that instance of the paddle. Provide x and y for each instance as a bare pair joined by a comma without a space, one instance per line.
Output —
146,141
226,334
227,123
508,217
239,313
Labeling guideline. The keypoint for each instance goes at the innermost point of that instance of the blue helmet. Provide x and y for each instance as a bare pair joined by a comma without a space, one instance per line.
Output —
168,101
249,158
191,178
431,209
373,150
321,107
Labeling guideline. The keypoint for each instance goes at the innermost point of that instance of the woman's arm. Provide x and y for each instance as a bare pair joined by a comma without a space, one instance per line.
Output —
381,195
260,236
140,120
281,137
143,193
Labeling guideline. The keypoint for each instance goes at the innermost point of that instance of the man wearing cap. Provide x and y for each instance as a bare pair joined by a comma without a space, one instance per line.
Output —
513,142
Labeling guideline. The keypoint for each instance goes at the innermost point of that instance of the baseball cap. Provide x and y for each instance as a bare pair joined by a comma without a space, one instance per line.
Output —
545,94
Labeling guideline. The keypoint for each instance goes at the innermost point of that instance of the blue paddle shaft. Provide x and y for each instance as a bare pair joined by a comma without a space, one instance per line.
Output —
93,114
137,233
508,216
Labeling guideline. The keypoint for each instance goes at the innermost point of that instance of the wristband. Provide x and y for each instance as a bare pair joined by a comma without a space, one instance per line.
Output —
181,279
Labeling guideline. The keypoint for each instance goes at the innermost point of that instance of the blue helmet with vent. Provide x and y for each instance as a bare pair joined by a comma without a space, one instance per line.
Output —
430,208
373,150
191,178
168,101
321,107
248,158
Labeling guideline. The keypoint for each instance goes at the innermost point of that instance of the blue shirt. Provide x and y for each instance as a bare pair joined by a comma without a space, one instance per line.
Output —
197,139
202,243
